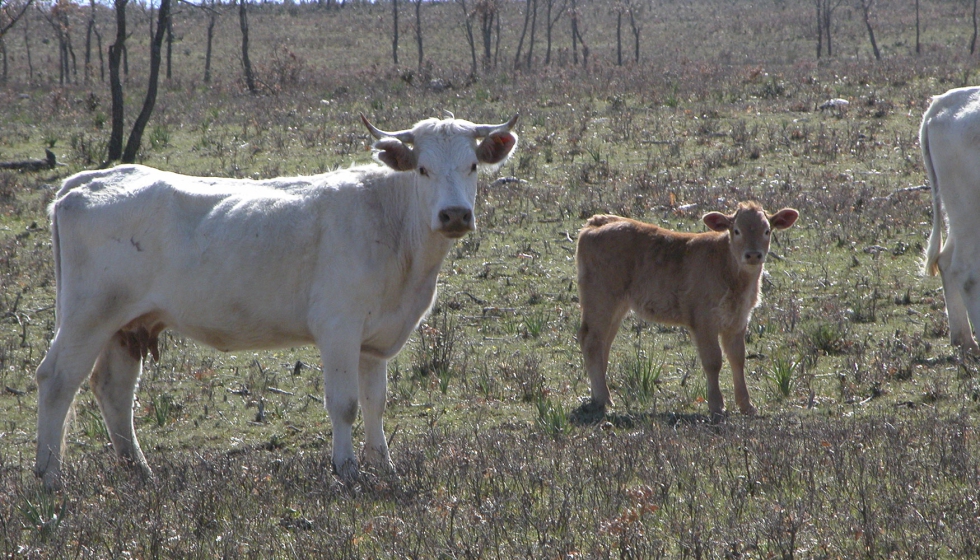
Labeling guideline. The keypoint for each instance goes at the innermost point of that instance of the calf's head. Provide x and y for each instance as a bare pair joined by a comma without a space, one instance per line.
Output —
445,156
749,229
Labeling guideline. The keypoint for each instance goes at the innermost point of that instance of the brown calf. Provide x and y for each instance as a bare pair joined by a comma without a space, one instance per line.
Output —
707,282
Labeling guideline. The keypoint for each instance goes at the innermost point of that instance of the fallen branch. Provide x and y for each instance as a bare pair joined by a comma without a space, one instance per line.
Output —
32,164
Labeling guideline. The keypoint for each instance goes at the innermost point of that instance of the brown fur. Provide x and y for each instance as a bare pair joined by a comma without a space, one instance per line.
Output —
707,282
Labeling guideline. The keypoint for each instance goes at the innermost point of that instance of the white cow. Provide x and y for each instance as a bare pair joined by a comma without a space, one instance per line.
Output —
950,140
345,260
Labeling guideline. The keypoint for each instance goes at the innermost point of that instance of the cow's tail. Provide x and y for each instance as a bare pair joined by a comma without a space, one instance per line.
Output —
931,265
56,251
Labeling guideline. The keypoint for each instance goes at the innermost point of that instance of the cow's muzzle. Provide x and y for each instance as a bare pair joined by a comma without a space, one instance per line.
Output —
455,221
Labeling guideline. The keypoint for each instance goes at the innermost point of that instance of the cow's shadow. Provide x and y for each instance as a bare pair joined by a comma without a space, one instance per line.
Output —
588,414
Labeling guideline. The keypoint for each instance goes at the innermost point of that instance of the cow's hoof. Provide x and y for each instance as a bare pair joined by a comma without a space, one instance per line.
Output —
748,410
347,472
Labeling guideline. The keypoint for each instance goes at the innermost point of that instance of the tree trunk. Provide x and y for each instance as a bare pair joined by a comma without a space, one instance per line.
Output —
534,24
866,6
115,147
246,62
573,13
917,47
973,40
418,31
136,135
486,26
636,35
468,24
520,43
394,32
212,20
3,49
819,6
170,46
88,42
619,38
550,25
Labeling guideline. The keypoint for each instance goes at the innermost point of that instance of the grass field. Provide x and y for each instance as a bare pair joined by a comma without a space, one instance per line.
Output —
866,445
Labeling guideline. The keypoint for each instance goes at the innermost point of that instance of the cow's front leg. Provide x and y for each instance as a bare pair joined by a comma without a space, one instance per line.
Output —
735,350
340,359
710,353
374,392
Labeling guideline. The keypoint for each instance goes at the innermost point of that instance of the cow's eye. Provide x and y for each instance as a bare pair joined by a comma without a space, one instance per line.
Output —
423,171
736,231
473,168
768,232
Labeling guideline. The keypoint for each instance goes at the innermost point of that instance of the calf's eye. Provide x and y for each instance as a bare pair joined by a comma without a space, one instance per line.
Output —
473,168
737,232
423,171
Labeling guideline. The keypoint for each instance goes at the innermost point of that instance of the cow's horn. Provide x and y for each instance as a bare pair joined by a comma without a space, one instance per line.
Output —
404,136
484,130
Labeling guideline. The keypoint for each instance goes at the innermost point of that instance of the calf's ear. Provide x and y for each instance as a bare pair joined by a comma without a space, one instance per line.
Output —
496,147
784,218
395,154
716,221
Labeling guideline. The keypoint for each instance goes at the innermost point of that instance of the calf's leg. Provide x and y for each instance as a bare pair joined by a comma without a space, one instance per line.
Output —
710,353
114,381
600,323
734,344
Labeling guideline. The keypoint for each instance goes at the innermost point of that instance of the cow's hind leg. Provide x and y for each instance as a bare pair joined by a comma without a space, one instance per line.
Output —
960,286
114,381
373,384
600,323
66,365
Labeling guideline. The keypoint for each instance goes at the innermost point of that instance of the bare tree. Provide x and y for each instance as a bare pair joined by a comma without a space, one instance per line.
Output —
555,9
418,30
170,46
468,25
246,62
115,147
489,11
577,38
93,29
212,12
9,16
530,17
136,135
973,40
866,10
394,32
917,47
58,17
633,12
825,13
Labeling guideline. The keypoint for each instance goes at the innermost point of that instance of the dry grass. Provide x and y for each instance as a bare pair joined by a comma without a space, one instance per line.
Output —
867,444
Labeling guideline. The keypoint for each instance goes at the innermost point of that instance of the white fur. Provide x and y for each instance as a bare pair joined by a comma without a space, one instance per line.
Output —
950,141
346,260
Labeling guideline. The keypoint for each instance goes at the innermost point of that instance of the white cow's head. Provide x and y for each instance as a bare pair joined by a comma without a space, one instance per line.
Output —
445,156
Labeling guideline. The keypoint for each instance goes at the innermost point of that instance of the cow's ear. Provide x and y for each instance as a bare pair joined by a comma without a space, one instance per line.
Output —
716,221
395,154
784,218
496,147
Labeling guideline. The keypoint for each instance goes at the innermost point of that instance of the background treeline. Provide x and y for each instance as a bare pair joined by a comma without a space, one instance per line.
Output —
294,43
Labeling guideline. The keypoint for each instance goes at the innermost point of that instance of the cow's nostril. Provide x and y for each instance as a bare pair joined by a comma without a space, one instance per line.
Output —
444,217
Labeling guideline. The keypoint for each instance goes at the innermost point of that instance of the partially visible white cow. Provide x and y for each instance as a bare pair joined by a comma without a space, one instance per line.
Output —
950,141
345,260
